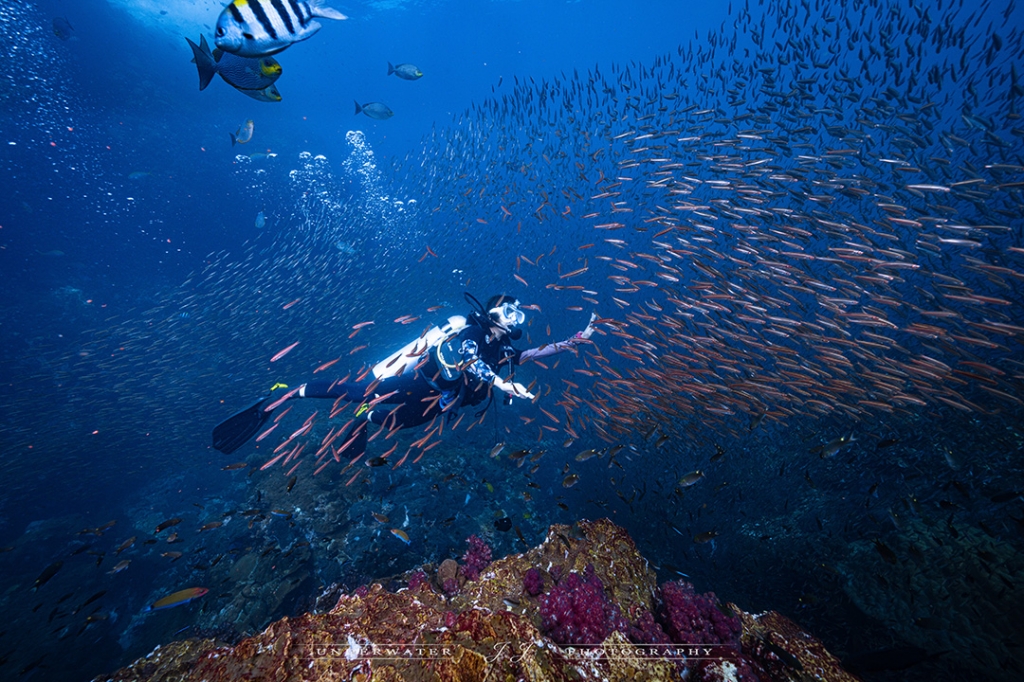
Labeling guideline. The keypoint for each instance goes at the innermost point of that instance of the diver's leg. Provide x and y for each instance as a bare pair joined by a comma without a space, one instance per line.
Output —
415,408
393,388
418,406
325,388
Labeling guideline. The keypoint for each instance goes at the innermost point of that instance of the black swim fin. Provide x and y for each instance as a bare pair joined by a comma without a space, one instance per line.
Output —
235,431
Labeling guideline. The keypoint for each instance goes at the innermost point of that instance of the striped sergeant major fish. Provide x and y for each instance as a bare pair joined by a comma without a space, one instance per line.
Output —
257,28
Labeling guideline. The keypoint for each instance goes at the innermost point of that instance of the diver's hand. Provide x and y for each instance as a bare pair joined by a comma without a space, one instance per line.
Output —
520,391
589,331
513,388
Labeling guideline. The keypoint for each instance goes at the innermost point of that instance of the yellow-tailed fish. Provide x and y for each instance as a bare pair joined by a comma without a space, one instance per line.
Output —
178,598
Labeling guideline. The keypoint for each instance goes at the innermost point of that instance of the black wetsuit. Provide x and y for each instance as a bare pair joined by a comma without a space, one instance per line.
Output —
415,390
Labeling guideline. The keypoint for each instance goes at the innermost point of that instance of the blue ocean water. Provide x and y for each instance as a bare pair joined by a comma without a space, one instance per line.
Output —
799,222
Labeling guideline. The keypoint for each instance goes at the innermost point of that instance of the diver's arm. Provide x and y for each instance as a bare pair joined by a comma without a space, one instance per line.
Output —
482,371
554,348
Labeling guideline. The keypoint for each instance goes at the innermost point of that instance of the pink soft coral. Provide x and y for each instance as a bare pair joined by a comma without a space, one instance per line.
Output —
577,611
533,582
476,558
691,618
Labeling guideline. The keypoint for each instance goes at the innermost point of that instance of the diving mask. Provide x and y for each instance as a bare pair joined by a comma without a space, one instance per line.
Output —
507,315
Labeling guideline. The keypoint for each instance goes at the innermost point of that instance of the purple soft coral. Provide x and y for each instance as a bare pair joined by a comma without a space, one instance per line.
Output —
417,580
577,611
691,618
476,558
533,582
647,631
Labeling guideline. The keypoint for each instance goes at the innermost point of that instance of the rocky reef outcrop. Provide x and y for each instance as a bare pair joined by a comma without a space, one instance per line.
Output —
583,605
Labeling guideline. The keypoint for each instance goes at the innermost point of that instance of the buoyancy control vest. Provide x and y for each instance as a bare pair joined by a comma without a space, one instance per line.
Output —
406,358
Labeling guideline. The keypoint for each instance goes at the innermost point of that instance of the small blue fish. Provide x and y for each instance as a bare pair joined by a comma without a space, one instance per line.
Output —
243,134
377,110
242,73
62,28
406,72
261,220
268,94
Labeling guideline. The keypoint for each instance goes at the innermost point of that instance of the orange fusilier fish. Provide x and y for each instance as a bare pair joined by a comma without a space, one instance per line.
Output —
177,599
380,399
325,365
401,535
272,406
281,353
265,433
580,271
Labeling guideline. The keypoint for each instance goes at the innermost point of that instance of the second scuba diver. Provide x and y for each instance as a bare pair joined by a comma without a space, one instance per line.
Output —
448,368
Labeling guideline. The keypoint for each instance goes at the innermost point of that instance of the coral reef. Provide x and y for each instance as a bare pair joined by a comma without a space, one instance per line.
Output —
577,611
693,618
603,617
476,558
533,583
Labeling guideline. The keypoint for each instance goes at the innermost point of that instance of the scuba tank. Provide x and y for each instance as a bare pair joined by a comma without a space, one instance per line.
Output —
408,355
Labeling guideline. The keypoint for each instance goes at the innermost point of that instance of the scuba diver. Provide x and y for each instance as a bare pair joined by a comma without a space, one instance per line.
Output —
450,367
